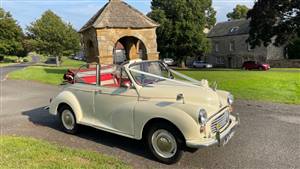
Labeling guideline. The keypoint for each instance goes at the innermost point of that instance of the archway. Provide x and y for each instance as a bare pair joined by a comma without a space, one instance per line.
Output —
129,48
91,52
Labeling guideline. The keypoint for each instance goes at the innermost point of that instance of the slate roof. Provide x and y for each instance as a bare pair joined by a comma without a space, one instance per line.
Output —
118,14
226,28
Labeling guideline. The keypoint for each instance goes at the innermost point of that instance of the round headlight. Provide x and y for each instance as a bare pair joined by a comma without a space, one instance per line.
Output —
230,99
202,117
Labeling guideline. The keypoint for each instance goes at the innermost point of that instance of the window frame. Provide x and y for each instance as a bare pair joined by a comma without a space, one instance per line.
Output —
232,46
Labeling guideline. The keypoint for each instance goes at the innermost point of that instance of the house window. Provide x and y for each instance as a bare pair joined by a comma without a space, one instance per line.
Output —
231,46
216,47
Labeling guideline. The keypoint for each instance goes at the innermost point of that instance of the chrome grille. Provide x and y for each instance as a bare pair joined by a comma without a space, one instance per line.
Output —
222,120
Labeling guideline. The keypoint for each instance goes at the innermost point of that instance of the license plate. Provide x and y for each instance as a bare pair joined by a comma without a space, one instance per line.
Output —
228,137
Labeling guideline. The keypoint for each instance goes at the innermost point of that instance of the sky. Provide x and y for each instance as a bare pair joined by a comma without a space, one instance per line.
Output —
78,12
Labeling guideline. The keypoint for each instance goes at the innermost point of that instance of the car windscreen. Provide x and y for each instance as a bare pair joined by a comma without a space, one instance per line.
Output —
154,68
154,72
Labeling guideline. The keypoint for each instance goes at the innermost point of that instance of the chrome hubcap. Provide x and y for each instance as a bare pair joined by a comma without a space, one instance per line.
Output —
68,119
164,143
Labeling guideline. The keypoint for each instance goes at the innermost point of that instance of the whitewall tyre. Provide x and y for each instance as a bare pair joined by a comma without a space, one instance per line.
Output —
68,120
165,143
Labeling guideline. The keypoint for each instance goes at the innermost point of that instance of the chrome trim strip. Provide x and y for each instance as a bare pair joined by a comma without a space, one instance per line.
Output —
217,112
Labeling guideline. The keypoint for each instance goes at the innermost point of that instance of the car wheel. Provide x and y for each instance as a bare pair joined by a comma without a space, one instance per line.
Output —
260,68
68,120
244,68
165,143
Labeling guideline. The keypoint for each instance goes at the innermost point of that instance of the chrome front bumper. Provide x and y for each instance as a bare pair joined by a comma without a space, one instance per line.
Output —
206,142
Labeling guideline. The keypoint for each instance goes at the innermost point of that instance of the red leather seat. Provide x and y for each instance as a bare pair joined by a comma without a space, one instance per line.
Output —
106,80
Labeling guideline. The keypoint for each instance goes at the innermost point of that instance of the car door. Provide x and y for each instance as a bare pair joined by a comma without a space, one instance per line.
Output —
85,95
114,108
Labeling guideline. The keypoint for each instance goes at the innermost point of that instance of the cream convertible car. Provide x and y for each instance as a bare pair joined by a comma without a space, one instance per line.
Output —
146,100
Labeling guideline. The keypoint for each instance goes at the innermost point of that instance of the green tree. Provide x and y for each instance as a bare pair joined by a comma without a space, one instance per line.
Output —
182,23
274,22
239,12
51,36
11,36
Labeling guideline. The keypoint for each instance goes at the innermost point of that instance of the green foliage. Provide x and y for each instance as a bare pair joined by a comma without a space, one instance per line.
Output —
274,18
29,153
51,36
182,23
11,36
294,49
239,12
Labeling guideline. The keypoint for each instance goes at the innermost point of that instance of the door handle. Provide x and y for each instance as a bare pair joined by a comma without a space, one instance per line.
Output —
98,91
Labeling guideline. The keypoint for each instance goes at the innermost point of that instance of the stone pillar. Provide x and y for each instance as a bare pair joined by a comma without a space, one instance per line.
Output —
133,54
153,56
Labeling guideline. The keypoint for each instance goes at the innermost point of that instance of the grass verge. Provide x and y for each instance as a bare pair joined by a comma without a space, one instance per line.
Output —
45,73
274,86
29,153
6,64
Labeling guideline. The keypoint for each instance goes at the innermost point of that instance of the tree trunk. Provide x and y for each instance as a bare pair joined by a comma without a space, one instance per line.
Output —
183,60
57,61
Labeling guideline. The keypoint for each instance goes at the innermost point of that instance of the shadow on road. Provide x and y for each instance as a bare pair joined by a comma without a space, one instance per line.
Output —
41,117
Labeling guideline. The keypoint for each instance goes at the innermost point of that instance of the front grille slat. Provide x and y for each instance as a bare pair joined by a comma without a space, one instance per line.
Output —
222,120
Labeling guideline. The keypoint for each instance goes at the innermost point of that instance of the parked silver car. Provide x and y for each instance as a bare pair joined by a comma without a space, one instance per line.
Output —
169,61
201,64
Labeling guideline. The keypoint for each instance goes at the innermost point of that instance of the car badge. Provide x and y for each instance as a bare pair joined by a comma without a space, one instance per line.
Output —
218,126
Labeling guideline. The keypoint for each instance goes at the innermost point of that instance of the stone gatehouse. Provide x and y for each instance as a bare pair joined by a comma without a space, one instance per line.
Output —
230,49
118,26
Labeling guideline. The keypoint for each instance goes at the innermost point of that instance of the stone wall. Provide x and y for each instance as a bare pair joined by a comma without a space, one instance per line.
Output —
284,63
107,38
90,45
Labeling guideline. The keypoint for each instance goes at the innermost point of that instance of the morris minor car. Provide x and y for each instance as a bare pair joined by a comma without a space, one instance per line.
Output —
145,100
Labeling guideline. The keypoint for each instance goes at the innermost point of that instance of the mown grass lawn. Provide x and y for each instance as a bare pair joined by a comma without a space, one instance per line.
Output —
29,153
275,86
45,73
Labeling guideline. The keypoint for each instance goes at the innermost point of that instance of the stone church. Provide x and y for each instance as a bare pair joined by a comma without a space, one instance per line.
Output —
118,27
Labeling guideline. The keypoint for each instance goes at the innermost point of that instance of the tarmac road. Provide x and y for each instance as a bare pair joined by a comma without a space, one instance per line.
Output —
5,70
268,138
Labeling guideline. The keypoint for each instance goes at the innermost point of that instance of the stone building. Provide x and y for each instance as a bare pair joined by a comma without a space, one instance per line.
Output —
118,26
230,49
